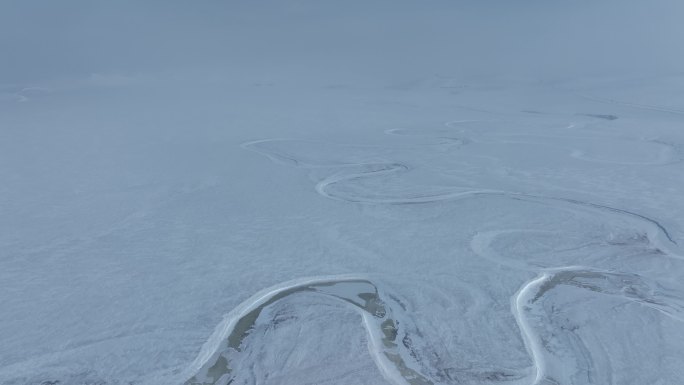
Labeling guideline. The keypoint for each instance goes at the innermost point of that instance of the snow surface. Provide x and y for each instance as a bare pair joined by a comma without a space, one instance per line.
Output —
308,192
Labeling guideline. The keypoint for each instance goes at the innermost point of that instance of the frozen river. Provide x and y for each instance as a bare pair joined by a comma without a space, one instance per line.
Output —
317,220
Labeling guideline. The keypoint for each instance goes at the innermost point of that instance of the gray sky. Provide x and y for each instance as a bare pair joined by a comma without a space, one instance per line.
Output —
47,40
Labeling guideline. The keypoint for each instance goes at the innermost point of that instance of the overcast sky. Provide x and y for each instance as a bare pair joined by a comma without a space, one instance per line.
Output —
48,40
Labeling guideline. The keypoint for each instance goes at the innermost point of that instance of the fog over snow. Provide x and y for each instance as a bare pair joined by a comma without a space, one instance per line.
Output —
341,192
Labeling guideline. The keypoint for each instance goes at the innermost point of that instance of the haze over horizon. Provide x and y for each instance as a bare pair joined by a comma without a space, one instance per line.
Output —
325,192
48,41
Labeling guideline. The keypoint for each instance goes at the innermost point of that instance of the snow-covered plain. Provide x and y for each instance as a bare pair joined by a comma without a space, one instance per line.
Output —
336,200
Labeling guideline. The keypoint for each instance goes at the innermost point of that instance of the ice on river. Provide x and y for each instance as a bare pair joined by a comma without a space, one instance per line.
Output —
309,221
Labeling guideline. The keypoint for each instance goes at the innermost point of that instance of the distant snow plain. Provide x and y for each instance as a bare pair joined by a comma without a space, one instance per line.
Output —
249,227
